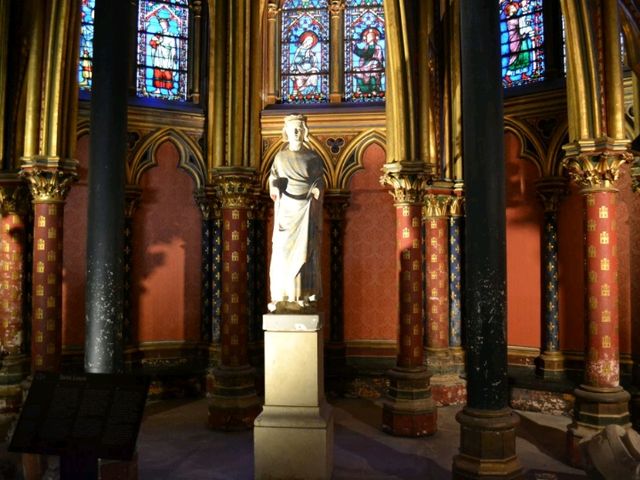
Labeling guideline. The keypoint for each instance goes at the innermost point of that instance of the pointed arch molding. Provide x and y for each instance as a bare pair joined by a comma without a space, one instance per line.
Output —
545,153
337,170
191,159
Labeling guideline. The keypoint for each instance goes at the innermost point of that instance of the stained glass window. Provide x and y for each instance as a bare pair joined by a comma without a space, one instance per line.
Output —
305,51
522,39
85,65
163,30
364,51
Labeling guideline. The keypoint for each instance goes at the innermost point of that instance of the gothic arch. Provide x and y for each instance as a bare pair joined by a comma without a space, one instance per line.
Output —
351,159
84,128
531,148
191,158
555,154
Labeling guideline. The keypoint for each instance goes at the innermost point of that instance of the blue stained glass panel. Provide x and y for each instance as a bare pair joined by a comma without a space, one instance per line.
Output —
163,31
85,65
364,51
522,41
305,52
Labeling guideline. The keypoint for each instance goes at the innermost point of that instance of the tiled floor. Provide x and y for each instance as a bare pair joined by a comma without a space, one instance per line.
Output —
174,443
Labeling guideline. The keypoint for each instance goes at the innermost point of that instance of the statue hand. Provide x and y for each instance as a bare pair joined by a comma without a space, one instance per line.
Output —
315,191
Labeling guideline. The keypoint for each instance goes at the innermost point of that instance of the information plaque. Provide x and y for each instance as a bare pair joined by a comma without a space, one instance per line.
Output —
87,415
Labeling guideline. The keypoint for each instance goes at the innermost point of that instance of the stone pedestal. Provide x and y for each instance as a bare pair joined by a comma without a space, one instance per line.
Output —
293,436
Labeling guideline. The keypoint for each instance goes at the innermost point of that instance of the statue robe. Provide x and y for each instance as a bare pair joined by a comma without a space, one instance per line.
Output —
294,272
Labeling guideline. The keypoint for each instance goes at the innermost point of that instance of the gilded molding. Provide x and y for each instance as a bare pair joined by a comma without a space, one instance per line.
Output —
436,205
456,206
551,190
48,185
408,180
14,198
207,202
235,187
336,204
132,194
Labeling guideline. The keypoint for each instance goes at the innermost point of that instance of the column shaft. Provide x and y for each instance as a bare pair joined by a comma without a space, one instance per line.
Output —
437,284
455,287
602,366
46,330
410,348
105,225
550,282
234,287
12,260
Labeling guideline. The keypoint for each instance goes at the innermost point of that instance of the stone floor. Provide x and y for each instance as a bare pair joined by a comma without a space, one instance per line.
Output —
174,443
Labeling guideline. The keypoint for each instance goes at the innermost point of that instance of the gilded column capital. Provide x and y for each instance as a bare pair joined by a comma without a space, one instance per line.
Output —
207,201
272,10
336,204
235,186
132,194
336,7
456,206
595,164
436,205
48,185
14,197
408,180
551,190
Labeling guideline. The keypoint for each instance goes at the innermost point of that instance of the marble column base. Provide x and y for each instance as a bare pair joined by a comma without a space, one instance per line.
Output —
487,445
408,409
550,365
595,408
233,402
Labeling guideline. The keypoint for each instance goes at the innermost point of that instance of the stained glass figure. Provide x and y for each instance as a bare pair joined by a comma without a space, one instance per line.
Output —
522,39
305,51
364,51
85,65
163,31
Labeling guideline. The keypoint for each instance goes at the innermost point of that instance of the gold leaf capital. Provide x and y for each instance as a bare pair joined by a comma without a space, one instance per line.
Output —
48,185
596,171
436,205
551,190
408,180
235,187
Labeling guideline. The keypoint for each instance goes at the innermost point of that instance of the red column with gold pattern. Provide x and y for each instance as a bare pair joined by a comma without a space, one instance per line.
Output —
408,409
13,208
600,400
602,366
234,404
437,274
49,188
46,338
408,221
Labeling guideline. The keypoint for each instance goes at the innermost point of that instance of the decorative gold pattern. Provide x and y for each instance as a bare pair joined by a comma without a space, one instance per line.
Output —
235,189
436,205
48,185
456,206
408,180
596,169
13,198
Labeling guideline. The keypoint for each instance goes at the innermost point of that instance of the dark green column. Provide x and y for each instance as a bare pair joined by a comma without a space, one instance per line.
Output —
487,425
105,239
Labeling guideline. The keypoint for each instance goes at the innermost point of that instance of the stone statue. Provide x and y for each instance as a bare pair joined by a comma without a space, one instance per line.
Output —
296,187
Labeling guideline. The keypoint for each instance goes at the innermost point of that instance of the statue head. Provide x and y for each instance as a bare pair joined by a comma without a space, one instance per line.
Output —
295,131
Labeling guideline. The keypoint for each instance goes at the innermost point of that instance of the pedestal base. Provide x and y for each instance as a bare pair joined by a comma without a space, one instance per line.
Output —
294,442
550,366
595,408
448,390
293,437
487,445
233,402
408,409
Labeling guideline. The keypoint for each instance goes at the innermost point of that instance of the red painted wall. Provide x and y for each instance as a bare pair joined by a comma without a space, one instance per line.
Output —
524,218
74,272
370,279
167,254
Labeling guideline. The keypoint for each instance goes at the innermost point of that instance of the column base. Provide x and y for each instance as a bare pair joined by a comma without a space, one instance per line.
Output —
458,359
408,409
15,368
550,366
595,408
487,445
233,402
448,390
294,442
